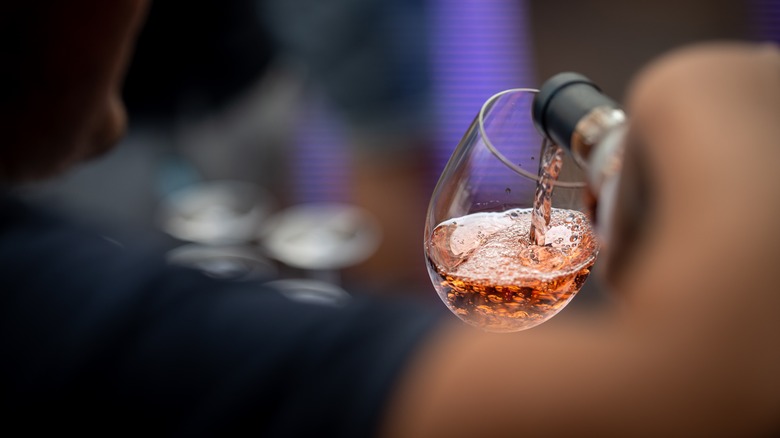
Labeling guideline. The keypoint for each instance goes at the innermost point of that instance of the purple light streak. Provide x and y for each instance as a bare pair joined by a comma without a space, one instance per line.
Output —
478,47
766,20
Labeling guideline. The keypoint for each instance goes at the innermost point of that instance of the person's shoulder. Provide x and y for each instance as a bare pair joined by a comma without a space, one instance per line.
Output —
33,238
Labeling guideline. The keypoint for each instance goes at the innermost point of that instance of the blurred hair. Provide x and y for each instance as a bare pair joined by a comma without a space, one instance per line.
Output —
203,52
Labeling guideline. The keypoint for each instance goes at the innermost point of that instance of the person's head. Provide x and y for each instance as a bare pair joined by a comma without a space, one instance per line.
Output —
63,63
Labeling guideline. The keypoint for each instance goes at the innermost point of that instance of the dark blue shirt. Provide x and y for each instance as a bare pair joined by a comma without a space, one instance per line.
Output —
97,339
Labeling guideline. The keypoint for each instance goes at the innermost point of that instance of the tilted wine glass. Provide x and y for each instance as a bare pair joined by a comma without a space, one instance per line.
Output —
480,257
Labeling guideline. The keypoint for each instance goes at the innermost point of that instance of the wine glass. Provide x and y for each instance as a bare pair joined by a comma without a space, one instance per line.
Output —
215,212
219,219
321,238
480,257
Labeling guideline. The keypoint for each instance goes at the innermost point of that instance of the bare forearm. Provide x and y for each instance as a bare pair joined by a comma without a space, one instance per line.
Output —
586,380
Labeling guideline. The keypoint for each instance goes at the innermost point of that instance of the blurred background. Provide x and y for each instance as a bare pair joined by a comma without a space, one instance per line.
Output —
303,138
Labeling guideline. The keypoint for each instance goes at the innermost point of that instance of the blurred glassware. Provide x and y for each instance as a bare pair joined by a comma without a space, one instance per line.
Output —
215,212
321,236
237,263
311,291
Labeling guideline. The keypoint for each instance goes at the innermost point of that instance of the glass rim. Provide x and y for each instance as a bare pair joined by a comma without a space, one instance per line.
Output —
489,144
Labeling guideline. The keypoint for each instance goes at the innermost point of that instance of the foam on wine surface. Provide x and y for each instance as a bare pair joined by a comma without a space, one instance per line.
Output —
493,276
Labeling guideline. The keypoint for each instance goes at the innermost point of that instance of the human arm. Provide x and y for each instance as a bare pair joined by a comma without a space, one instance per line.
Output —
690,345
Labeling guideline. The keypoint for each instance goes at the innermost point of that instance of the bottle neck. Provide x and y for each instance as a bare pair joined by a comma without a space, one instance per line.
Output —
597,145
592,129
